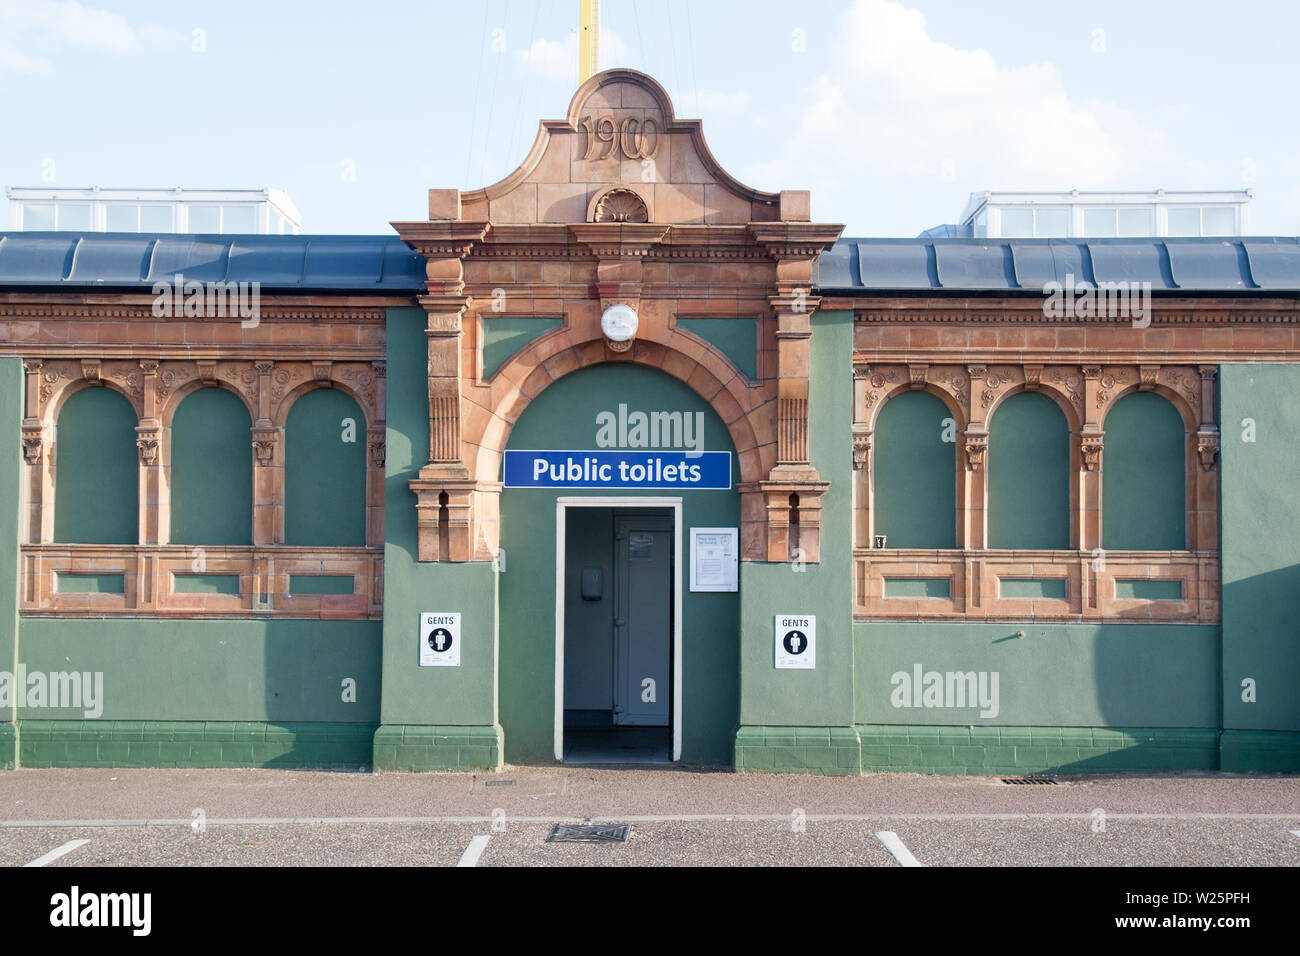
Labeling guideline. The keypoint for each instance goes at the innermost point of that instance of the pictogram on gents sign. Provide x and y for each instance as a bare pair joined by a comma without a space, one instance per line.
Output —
440,639
796,641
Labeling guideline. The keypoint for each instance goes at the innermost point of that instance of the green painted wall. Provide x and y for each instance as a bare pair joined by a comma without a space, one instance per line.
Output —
915,473
736,338
11,474
325,470
96,470
1029,474
414,695
1261,545
204,670
1144,476
1058,675
211,470
563,417
503,336
822,697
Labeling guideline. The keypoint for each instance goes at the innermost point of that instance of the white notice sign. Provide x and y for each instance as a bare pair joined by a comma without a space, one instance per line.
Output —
796,641
714,554
440,639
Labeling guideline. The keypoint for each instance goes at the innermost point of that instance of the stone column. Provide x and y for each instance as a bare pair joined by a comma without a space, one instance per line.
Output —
1203,535
974,476
862,463
447,494
147,437
268,464
37,525
1088,474
376,457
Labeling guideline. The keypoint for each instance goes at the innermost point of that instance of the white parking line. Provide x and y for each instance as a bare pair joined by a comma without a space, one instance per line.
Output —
896,848
473,851
56,853
884,815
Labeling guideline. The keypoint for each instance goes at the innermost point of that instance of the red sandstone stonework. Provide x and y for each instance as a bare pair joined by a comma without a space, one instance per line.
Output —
643,216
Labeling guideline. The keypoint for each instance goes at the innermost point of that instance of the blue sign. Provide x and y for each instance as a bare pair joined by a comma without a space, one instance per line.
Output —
679,470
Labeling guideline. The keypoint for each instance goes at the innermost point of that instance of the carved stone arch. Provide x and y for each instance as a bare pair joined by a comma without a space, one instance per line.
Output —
708,347
960,414
1060,397
59,398
490,440
1191,419
167,411
280,415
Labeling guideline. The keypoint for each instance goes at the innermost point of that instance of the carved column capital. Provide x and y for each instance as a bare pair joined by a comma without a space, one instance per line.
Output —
264,442
1090,448
375,443
861,450
146,440
33,442
977,447
1207,448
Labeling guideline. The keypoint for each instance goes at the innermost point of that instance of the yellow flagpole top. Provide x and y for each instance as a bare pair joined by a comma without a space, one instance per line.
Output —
588,40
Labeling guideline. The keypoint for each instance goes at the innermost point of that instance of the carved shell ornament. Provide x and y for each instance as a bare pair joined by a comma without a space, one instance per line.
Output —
621,205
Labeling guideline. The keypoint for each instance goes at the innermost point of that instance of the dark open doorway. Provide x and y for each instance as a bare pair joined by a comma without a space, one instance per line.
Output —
618,640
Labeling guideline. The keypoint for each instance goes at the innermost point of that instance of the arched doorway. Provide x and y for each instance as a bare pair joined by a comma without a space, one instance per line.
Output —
599,631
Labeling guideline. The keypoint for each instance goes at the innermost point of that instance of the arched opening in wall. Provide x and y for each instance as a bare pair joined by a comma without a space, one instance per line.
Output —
325,471
211,470
96,474
1029,474
915,472
444,527
1144,476
794,528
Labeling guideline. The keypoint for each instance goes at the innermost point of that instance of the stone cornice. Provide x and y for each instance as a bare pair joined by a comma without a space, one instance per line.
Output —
223,353
441,238
621,239
1165,311
795,240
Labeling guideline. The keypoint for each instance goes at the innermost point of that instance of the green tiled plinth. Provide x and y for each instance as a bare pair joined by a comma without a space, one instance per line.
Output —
1026,750
138,743
821,750
413,747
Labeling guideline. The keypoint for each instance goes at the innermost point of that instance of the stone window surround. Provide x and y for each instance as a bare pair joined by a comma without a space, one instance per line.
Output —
1085,392
268,388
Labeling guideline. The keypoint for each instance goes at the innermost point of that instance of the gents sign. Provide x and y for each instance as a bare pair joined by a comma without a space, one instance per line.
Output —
681,470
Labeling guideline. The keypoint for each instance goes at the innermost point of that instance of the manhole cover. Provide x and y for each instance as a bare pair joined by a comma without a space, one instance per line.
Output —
1022,781
588,833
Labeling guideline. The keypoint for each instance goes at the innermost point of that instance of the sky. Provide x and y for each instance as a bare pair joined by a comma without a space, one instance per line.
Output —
891,113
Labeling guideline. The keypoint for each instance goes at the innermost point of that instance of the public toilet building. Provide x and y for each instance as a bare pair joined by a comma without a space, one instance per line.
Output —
621,459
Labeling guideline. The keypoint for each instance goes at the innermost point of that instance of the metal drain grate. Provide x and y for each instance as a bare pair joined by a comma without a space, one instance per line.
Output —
588,833
498,783
1023,781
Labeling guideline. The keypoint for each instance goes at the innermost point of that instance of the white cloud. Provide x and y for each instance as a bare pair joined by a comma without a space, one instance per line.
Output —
35,30
558,59
901,107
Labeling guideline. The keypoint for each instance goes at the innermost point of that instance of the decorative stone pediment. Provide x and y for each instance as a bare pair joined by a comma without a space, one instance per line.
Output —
620,155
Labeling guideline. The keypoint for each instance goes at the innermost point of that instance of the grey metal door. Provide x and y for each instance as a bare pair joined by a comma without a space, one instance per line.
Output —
643,622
